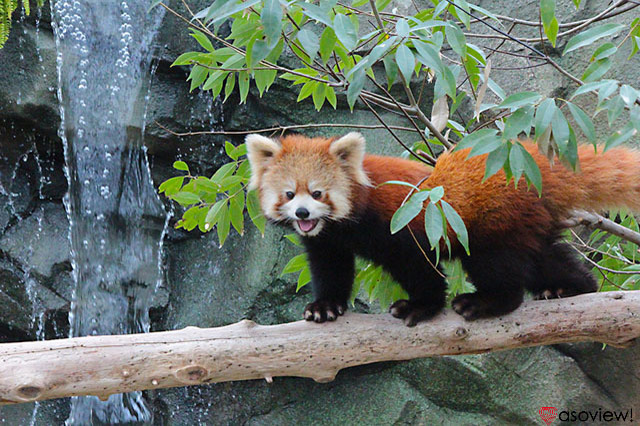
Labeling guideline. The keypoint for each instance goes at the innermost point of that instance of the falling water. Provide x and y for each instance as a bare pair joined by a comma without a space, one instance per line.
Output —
116,219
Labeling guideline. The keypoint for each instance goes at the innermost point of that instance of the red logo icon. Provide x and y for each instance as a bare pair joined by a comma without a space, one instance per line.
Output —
548,414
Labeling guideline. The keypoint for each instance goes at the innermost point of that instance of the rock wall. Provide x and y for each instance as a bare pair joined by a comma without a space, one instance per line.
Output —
205,287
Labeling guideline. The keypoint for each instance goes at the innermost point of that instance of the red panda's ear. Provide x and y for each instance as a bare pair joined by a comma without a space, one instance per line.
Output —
260,152
350,149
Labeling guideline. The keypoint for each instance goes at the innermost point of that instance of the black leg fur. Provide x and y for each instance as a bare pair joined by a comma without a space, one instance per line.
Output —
561,274
332,271
499,276
426,288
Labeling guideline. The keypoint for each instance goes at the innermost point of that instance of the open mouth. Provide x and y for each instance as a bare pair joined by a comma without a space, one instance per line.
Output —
307,225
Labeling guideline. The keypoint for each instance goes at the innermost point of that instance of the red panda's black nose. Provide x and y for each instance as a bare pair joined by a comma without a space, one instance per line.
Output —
302,213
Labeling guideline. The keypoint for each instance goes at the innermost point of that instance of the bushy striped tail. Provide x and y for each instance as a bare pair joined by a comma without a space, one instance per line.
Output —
603,181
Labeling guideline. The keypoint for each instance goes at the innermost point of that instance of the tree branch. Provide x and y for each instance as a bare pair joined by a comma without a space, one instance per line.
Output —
104,365
593,220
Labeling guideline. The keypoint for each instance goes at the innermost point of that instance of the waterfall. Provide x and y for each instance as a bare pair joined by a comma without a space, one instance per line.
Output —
117,221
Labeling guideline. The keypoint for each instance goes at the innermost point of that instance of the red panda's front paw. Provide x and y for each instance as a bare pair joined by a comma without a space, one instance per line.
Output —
324,310
413,312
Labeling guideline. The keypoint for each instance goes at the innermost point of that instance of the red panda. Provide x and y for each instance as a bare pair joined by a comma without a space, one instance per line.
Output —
328,191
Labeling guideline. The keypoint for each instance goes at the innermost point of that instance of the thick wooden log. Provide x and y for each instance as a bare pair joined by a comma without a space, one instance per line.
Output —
103,365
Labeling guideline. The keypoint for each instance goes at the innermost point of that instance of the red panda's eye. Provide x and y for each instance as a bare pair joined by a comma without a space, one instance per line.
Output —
316,194
290,195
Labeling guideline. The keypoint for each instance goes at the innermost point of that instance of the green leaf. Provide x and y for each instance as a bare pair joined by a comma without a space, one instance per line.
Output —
243,85
406,62
255,212
485,145
295,264
316,13
224,171
236,212
271,17
520,99
462,16
516,162
520,121
560,129
309,42
433,225
229,149
229,86
635,46
190,218
628,94
220,10
257,52
391,69
477,137
307,90
531,169
583,121
615,106
456,223
544,115
327,42
204,184
593,86
171,186
405,214
402,28
495,160
596,70
185,198
355,87
345,31
186,58
264,79
619,137
549,21
229,182
213,214
331,96
604,51
224,224
304,278
202,40
197,75
436,194
592,34
428,56
381,4
319,95
181,165
456,39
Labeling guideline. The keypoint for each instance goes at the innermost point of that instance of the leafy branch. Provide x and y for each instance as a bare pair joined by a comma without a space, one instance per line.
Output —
333,59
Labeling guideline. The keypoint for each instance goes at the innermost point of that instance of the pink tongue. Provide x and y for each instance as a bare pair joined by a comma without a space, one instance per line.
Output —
307,225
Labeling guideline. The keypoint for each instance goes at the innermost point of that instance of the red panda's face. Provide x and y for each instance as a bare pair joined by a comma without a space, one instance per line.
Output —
306,182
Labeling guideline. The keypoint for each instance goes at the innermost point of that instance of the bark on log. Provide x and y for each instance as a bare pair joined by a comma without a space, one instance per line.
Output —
103,365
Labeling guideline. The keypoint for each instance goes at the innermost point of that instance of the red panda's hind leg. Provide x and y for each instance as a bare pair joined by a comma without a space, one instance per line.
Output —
499,276
561,274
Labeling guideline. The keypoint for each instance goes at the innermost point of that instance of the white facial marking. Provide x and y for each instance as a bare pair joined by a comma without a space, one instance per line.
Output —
316,208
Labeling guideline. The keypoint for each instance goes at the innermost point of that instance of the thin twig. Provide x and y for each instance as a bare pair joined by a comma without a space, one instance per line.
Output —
431,161
284,129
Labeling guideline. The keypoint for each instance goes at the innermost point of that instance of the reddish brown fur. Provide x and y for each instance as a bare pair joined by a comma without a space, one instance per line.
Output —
491,209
